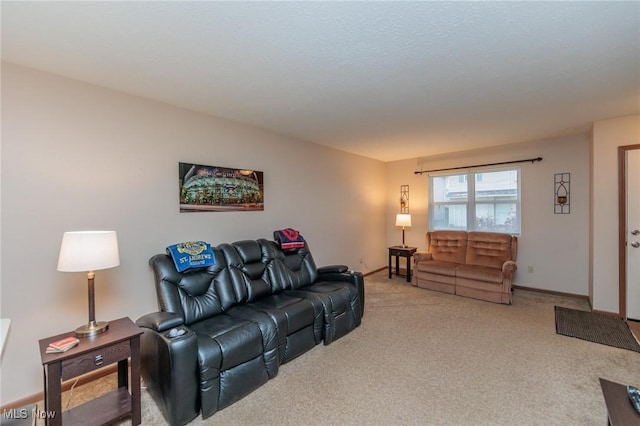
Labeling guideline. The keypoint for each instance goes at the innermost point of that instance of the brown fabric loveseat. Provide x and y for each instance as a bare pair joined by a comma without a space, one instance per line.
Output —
479,265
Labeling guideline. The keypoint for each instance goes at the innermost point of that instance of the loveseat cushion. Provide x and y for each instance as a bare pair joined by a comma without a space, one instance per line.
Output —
480,273
447,246
490,249
438,267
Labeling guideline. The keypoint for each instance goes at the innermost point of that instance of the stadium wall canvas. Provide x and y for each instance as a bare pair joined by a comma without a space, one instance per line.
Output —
219,189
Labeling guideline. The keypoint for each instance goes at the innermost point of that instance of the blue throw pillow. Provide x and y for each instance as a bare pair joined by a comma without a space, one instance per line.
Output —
192,254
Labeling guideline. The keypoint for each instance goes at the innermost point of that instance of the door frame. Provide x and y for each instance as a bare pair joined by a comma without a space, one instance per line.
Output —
622,225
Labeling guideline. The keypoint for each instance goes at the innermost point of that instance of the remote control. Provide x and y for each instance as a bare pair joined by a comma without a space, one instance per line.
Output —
634,396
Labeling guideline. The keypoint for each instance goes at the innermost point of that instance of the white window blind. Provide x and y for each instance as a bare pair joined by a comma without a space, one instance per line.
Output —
486,200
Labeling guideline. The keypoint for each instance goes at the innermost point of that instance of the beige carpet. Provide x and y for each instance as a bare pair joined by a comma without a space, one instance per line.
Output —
427,358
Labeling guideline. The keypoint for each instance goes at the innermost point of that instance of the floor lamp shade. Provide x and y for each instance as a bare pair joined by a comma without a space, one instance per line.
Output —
89,251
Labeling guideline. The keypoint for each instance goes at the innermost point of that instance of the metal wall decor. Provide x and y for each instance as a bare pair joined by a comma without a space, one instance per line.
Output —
404,199
562,193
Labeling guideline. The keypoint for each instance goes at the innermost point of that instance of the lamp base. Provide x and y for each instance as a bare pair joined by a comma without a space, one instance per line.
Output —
92,329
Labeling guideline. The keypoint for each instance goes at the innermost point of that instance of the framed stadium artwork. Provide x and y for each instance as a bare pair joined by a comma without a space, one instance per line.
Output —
219,189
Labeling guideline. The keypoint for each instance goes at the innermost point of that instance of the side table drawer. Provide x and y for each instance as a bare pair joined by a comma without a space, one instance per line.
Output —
394,252
96,359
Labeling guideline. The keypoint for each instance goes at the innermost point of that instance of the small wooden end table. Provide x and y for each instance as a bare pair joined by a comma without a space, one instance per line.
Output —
119,343
620,412
398,252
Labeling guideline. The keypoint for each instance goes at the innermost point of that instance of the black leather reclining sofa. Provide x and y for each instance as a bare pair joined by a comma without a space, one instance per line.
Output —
224,330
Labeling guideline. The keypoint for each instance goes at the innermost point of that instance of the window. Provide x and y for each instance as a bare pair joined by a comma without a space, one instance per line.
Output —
487,200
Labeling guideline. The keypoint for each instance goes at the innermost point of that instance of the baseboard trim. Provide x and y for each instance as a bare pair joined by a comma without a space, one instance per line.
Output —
613,314
66,385
574,296
555,293
375,271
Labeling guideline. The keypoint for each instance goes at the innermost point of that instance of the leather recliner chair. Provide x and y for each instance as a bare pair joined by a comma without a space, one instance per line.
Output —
342,305
182,359
298,321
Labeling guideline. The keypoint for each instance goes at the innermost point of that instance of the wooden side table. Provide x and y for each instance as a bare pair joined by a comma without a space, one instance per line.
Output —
119,343
620,412
398,252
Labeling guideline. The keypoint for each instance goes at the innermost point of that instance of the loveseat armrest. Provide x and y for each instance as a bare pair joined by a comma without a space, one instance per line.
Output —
509,267
420,256
169,365
160,321
333,268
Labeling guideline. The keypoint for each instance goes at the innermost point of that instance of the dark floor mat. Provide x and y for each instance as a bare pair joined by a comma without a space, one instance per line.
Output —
597,328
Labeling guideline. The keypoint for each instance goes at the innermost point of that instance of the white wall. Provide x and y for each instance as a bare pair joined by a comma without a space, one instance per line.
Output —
77,156
608,135
555,245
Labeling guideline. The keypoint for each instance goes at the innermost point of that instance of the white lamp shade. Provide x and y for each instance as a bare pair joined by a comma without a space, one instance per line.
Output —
403,220
85,251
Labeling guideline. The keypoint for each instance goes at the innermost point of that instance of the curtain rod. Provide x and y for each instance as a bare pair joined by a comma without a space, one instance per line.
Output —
480,165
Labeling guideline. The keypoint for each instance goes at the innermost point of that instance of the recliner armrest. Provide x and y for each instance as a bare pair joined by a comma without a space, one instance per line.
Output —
333,268
169,365
160,321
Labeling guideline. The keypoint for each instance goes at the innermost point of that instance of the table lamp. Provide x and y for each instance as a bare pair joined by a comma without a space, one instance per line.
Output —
403,220
89,251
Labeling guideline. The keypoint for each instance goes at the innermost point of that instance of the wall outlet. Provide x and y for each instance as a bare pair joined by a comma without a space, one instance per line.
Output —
530,269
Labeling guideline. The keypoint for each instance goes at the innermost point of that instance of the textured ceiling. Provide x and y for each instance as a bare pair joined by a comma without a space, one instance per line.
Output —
387,80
